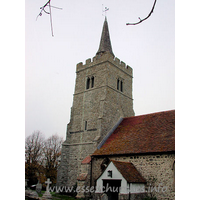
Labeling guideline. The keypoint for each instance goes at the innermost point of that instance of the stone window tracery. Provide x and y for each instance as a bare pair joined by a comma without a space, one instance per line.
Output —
90,82
117,84
121,88
120,84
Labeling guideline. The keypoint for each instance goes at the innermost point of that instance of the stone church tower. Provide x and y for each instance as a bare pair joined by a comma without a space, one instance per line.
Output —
103,95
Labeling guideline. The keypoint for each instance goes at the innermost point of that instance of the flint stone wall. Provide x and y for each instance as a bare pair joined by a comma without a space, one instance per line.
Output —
158,168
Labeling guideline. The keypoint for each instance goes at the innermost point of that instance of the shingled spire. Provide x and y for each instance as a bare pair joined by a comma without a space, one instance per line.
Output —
105,43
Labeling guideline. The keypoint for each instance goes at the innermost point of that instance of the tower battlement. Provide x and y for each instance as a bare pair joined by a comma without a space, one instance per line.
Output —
105,57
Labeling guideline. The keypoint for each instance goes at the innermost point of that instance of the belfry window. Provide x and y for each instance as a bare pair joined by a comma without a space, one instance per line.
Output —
88,83
92,82
121,86
118,84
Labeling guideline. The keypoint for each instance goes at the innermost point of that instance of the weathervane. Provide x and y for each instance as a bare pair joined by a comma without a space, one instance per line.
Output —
43,9
104,10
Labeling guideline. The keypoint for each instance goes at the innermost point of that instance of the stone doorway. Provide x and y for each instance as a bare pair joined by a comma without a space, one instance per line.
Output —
111,188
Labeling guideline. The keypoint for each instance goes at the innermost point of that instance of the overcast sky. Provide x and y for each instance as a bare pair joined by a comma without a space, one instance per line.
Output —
51,61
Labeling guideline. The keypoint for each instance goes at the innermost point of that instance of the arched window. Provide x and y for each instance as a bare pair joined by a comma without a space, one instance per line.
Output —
92,82
118,84
88,83
121,86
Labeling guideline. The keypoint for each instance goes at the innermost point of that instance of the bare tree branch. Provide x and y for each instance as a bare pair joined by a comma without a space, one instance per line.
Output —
43,9
34,147
52,152
42,157
141,20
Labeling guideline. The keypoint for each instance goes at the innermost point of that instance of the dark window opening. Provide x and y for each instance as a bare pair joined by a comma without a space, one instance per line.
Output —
85,125
110,173
92,84
118,84
88,83
121,86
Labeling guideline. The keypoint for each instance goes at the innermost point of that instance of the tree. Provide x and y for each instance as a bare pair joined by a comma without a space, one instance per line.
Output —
52,153
42,157
34,146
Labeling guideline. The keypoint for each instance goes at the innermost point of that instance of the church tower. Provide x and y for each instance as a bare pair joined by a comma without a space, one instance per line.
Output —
103,95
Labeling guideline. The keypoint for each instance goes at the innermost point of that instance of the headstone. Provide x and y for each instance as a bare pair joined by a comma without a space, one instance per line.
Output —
48,182
38,187
30,194
104,197
47,194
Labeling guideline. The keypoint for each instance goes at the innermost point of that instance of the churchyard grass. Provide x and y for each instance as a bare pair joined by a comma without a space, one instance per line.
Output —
42,192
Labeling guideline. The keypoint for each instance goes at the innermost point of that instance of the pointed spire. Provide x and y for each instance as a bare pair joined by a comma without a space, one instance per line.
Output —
105,43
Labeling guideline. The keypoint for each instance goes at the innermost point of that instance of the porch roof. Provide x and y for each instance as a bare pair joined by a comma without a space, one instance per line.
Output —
129,172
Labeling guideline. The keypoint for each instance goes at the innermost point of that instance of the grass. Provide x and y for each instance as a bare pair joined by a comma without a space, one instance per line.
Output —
42,192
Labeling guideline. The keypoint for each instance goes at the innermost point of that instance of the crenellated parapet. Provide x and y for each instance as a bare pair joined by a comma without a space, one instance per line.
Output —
105,57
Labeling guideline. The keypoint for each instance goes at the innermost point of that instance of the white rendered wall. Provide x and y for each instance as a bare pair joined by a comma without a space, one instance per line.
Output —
116,175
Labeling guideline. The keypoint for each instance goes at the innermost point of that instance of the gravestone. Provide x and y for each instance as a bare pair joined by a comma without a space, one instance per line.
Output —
104,197
38,187
47,194
30,194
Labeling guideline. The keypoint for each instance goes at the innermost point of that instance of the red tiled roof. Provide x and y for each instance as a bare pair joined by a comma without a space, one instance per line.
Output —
129,172
142,134
86,160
